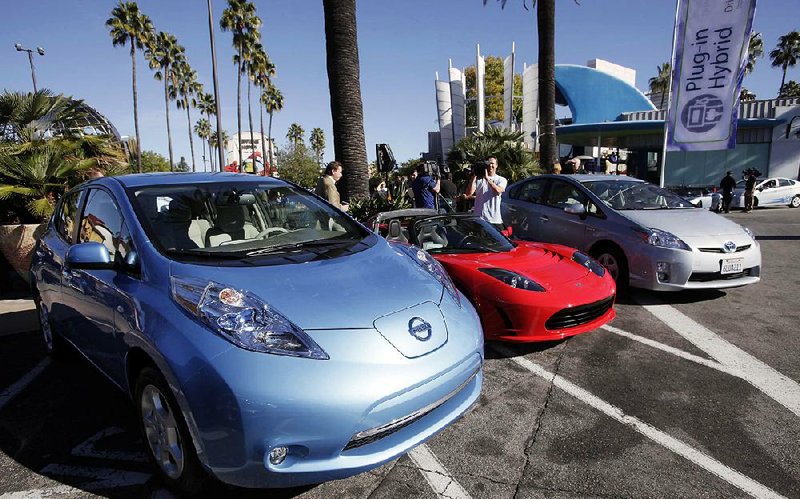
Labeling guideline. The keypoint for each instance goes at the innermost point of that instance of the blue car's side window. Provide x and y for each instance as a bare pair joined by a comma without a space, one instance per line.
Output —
65,218
102,221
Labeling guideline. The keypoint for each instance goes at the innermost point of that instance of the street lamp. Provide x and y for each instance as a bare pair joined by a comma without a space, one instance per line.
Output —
39,50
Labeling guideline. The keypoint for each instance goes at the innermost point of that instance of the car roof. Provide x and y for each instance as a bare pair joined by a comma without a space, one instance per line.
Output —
581,177
174,178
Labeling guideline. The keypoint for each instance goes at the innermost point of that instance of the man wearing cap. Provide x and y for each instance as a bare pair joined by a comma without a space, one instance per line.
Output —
728,184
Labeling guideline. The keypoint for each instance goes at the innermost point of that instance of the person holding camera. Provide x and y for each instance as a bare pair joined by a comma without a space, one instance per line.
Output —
425,187
487,186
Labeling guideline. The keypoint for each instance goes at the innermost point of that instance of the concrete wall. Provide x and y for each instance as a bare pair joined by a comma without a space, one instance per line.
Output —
708,167
784,159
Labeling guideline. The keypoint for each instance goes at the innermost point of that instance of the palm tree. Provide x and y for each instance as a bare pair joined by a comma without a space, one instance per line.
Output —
212,142
790,89
186,87
240,18
341,46
295,134
27,117
755,50
208,107
261,70
164,52
128,24
660,82
318,143
203,130
272,99
746,95
786,54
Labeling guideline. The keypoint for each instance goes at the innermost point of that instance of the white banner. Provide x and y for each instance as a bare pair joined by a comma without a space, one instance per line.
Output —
445,112
711,39
508,89
530,105
458,102
480,77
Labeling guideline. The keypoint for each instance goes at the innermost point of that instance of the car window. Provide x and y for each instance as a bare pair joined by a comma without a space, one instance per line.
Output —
563,194
101,221
65,218
784,182
770,184
532,191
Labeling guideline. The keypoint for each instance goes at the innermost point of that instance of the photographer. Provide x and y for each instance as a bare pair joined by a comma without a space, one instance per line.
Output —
425,186
487,186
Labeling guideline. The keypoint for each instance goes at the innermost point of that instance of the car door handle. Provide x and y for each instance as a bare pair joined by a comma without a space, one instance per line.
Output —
544,218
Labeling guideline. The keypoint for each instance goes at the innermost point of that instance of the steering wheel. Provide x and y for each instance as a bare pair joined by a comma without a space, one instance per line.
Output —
469,241
271,230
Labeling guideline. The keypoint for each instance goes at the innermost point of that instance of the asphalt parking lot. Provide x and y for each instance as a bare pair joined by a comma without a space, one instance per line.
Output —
683,395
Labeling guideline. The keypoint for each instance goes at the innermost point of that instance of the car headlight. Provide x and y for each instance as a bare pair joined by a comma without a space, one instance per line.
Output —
430,265
243,318
750,233
513,279
664,239
589,263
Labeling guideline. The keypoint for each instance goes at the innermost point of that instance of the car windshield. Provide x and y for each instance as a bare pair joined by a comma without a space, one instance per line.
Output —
632,195
459,234
240,220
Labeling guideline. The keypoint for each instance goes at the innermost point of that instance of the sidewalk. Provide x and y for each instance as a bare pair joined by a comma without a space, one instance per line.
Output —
17,316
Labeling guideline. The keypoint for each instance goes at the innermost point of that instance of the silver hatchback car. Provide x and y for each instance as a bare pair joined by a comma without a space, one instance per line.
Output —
644,235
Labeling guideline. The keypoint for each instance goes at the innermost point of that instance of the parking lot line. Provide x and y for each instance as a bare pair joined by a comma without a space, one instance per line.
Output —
12,391
437,476
706,462
772,383
44,493
672,350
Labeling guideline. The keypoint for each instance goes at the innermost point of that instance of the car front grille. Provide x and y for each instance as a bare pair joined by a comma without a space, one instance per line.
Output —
374,434
717,276
744,247
576,316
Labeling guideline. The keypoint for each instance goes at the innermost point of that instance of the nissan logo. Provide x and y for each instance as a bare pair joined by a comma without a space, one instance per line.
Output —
729,246
420,329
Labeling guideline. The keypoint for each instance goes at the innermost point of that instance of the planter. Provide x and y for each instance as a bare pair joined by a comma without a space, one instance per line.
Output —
17,242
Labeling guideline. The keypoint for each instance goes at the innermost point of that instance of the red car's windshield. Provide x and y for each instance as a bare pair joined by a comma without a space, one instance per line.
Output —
458,234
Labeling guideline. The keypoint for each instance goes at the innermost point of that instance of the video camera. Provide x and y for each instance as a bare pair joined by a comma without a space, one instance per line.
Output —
430,168
479,168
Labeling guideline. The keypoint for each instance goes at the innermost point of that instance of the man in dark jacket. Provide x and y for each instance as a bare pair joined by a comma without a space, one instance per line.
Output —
728,184
749,187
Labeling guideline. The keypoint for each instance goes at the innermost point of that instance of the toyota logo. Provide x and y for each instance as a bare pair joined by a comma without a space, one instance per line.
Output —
729,246
420,329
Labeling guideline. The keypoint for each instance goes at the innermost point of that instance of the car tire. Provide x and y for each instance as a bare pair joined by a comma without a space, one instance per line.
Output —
166,438
54,344
795,203
755,202
613,259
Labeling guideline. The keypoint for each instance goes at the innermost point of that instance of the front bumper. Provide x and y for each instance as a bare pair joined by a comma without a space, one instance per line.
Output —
695,269
246,403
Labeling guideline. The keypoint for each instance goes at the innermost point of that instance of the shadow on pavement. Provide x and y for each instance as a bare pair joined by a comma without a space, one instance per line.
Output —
645,297
518,349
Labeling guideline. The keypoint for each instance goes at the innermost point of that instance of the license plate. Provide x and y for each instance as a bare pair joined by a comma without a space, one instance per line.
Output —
732,266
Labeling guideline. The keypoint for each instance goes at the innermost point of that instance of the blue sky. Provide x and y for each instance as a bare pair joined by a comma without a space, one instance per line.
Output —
402,44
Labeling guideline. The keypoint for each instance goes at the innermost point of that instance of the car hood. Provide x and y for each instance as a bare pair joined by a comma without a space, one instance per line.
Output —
548,265
346,292
685,223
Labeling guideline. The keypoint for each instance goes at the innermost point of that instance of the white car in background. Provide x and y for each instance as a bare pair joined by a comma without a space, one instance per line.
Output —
773,191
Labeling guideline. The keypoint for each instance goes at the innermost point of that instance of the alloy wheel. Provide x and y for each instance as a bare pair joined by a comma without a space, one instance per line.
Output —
608,261
161,431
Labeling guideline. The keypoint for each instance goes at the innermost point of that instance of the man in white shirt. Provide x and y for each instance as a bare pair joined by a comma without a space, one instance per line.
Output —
487,191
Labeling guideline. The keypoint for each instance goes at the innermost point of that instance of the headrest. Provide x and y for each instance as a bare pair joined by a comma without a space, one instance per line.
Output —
178,212
395,229
230,218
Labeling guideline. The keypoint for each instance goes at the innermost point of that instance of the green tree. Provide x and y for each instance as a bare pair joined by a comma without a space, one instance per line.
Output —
154,162
186,87
42,152
660,82
295,134
786,54
298,165
128,25
261,70
341,46
272,99
318,143
515,162
746,95
755,51
790,89
493,90
164,52
208,108
240,18
212,142
203,130
182,165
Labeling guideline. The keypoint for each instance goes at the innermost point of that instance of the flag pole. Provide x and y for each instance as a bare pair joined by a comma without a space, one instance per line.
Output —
673,69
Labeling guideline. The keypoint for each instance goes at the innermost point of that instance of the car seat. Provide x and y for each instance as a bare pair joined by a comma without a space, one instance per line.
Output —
230,225
396,232
173,226
432,237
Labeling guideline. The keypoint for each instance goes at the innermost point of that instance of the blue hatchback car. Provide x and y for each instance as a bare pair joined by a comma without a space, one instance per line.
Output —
265,338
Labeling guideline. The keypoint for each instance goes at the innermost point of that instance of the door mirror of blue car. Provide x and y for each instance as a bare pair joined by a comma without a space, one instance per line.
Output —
90,256
575,209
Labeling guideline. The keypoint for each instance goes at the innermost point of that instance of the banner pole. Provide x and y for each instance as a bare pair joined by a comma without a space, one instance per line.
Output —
669,96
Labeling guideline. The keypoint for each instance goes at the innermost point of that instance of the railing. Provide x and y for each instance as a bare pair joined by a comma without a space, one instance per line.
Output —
747,110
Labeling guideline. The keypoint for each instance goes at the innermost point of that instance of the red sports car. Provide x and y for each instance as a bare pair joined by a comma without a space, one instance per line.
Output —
523,291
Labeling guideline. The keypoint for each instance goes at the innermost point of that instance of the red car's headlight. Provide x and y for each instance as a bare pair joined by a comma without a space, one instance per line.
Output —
513,279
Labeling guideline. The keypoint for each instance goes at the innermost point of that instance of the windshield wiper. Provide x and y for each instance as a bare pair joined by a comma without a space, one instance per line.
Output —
302,244
199,253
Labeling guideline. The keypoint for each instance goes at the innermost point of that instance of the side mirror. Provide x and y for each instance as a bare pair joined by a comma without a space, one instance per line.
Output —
575,209
89,256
